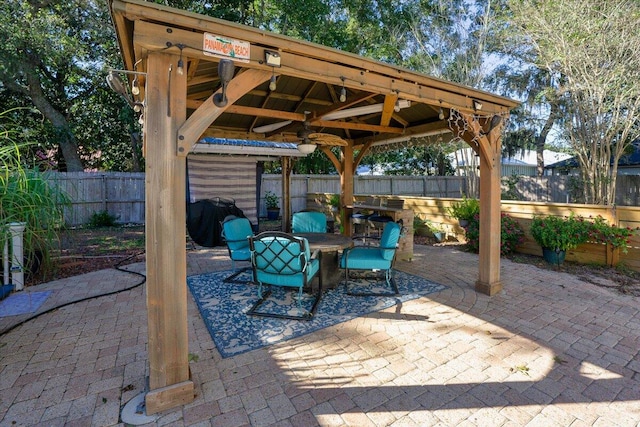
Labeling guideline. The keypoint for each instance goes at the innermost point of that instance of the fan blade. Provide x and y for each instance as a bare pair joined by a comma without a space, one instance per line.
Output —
327,139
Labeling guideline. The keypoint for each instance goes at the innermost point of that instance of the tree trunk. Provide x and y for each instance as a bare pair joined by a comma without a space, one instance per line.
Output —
542,138
135,142
66,140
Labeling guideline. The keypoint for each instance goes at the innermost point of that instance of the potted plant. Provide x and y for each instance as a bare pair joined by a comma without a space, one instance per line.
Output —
438,231
557,234
464,210
334,202
273,209
424,227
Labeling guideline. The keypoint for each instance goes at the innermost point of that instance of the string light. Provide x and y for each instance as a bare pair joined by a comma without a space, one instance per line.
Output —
180,69
272,83
135,88
343,91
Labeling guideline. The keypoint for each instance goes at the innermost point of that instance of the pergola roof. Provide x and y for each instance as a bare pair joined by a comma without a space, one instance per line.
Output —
309,79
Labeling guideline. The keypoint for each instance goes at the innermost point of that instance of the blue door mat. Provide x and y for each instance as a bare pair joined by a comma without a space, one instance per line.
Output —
22,302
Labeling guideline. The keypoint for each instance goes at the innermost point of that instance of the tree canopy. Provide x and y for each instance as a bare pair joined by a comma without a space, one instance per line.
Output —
590,50
557,56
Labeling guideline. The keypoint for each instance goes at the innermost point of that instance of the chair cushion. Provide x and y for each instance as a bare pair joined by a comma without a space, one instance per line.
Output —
309,222
236,232
360,258
380,218
279,261
243,254
389,240
293,280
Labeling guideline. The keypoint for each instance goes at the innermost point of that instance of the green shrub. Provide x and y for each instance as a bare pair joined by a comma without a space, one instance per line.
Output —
102,219
465,209
511,234
27,197
560,233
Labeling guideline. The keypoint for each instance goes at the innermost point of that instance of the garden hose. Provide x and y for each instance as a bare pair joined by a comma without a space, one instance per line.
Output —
117,267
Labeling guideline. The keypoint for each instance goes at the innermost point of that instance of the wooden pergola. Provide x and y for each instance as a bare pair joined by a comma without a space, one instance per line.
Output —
174,57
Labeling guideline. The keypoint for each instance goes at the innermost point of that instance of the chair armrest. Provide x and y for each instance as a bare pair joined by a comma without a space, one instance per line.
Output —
315,254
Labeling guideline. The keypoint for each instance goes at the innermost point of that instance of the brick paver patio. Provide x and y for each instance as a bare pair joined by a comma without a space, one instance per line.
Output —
550,350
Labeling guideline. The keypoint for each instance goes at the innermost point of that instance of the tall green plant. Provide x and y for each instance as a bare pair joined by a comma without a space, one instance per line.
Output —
27,197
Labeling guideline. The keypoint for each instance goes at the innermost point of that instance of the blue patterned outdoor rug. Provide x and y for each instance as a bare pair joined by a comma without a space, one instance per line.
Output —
22,302
224,305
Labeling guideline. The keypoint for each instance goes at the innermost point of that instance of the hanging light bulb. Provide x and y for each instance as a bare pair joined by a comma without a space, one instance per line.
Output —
141,120
343,91
272,82
441,114
396,107
135,88
180,69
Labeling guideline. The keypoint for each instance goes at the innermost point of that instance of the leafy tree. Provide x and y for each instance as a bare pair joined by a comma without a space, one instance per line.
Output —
55,64
591,51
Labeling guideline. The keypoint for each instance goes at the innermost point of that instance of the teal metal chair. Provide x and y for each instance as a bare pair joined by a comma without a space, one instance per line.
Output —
236,232
377,259
309,222
281,259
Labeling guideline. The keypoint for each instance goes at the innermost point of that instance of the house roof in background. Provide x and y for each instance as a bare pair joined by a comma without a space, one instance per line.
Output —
526,158
627,160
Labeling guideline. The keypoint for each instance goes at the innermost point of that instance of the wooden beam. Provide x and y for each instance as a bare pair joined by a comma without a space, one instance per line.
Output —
363,152
166,263
411,86
332,158
208,112
197,24
387,109
334,124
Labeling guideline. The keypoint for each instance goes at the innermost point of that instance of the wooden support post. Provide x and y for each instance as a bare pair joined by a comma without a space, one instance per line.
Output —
169,379
346,188
286,194
490,220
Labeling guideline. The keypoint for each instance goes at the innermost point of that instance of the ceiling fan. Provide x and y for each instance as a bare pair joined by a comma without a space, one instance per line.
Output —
339,114
309,139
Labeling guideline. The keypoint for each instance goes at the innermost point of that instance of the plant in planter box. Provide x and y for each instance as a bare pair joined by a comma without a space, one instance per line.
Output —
556,235
511,234
618,237
560,233
334,202
464,210
273,208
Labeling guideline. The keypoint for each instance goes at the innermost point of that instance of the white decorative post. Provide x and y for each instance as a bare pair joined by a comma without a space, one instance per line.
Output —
16,230
5,262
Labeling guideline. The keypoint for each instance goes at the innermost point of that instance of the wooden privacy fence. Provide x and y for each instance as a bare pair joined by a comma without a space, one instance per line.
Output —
121,194
301,185
435,210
